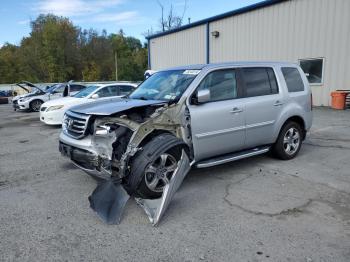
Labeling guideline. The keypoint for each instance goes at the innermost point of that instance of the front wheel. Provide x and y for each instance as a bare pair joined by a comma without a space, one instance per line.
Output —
153,167
288,142
35,105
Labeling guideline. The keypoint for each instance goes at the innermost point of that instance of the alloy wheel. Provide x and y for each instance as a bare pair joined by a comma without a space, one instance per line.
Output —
36,105
159,172
291,141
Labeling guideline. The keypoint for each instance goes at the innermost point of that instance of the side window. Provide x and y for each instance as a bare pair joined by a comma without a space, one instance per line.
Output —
76,88
60,89
104,92
113,90
125,90
259,81
293,79
222,85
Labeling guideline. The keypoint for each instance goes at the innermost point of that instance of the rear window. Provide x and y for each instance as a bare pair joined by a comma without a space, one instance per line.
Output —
293,79
259,81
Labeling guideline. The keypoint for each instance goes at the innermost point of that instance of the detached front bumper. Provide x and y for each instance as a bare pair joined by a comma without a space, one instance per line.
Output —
82,155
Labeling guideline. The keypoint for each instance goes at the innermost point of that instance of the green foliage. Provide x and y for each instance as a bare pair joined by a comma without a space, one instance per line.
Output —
57,51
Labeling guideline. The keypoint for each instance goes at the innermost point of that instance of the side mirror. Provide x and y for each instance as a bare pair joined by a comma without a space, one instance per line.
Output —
95,96
203,96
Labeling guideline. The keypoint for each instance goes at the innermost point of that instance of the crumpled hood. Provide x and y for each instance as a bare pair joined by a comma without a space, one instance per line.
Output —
111,106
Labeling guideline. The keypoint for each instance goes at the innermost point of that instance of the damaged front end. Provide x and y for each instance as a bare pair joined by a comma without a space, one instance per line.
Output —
116,142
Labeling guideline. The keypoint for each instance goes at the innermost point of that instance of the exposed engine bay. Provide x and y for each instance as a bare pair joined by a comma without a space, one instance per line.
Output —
119,140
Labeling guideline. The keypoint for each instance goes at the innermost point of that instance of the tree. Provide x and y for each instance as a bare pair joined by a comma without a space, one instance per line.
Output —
58,51
171,20
9,64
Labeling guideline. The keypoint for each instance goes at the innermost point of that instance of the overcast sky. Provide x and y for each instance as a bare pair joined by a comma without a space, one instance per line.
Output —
133,16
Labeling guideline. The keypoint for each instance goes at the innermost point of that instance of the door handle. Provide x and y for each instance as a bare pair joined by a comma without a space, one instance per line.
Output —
236,110
278,103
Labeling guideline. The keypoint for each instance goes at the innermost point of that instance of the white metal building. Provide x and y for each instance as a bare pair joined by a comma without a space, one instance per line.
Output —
313,33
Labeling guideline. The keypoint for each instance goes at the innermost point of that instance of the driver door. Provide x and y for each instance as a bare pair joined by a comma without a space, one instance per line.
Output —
218,126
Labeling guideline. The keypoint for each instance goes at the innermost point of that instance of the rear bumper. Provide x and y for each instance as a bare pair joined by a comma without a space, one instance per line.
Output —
83,156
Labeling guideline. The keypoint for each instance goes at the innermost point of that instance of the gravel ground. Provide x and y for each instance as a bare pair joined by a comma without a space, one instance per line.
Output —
257,209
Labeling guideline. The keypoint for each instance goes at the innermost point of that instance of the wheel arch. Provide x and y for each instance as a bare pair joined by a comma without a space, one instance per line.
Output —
35,99
158,132
297,119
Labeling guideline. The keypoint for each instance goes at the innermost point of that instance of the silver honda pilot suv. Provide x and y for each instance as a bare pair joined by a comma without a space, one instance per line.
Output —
207,114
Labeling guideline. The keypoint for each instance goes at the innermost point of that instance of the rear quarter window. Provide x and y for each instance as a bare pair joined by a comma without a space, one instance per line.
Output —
293,79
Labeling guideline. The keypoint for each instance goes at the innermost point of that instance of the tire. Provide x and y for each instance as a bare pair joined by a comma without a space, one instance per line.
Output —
289,141
35,105
152,167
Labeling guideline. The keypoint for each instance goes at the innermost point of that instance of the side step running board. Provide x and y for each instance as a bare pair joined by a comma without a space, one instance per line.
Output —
232,157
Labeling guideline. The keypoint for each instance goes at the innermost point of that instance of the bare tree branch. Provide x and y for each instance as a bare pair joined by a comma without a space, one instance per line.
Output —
172,20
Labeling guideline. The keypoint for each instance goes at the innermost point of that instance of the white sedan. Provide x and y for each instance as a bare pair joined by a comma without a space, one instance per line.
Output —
52,112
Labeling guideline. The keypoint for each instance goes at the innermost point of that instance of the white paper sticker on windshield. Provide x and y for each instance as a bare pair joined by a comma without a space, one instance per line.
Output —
170,97
191,72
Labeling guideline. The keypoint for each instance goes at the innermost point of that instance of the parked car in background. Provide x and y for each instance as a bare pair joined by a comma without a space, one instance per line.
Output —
34,99
52,112
4,96
201,115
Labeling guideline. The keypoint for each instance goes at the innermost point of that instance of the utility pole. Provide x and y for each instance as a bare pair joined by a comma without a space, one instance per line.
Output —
116,66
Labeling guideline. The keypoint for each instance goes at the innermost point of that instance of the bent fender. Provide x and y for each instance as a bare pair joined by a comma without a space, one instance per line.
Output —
155,208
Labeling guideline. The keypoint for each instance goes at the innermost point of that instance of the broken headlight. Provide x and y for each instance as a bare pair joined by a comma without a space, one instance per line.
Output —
102,130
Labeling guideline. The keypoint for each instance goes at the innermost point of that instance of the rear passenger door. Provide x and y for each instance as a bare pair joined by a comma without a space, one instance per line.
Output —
263,103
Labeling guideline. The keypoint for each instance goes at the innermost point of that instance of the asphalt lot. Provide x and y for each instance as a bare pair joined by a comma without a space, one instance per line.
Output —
258,209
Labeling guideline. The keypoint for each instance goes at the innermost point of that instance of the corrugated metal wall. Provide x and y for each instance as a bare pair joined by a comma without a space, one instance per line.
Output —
181,48
288,31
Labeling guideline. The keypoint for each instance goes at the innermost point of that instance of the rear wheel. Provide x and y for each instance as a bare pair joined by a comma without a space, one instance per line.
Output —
289,141
35,105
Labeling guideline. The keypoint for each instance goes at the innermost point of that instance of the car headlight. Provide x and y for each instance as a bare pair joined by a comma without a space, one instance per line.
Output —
52,108
102,130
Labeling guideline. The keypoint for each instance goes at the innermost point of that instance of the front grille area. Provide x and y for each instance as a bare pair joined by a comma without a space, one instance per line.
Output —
15,102
75,125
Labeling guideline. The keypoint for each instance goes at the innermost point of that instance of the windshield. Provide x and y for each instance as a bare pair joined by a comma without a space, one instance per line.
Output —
165,85
57,88
86,91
